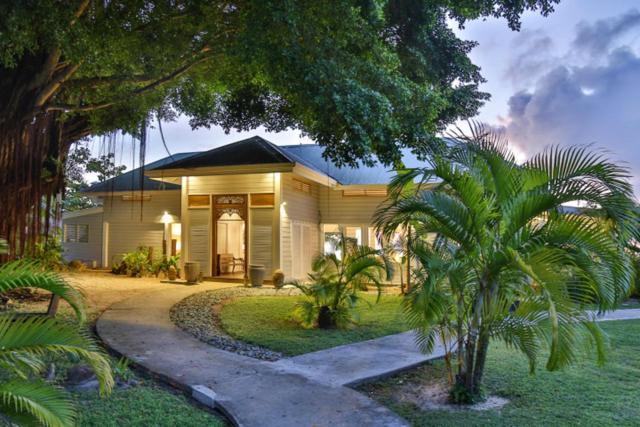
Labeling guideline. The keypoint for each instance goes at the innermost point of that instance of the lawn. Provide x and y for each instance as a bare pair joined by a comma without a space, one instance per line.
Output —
142,405
583,395
266,321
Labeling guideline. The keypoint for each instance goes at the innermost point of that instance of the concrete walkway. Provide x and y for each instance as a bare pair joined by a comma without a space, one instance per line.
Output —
625,314
306,390
290,392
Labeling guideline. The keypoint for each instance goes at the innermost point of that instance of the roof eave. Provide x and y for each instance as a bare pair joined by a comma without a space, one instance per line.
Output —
221,170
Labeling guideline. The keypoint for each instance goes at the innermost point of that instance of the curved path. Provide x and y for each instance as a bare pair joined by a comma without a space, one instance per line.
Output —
253,392
306,390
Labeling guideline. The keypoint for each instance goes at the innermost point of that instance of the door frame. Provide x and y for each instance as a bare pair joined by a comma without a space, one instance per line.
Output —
224,203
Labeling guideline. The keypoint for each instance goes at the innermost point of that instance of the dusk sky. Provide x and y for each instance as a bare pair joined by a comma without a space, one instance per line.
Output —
570,78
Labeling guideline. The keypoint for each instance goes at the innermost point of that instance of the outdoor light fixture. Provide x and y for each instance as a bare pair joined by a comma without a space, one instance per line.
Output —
166,218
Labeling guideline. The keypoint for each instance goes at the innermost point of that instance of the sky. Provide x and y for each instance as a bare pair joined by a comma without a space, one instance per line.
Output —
570,78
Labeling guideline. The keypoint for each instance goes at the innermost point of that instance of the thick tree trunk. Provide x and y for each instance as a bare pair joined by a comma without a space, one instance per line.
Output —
33,146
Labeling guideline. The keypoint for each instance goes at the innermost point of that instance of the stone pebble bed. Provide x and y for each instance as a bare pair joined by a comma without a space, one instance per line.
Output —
198,315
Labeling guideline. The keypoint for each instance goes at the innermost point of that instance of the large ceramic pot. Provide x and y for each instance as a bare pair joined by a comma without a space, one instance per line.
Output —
192,271
256,275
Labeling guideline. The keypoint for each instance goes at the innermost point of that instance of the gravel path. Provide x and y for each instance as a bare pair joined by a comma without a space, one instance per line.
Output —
198,315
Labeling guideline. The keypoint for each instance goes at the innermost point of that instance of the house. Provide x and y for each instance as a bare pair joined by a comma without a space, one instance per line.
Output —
248,202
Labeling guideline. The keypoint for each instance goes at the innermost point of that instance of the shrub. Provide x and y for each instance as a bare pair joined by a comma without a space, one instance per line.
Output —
77,265
335,283
164,264
138,263
278,279
48,252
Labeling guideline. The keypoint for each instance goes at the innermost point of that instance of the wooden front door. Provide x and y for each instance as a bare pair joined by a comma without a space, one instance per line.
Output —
229,205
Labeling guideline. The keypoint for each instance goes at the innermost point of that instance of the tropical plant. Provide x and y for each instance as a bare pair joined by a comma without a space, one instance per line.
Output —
164,264
48,251
138,263
500,257
335,283
25,343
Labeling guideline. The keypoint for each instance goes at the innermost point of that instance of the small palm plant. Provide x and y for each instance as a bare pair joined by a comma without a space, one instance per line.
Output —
336,282
500,258
25,341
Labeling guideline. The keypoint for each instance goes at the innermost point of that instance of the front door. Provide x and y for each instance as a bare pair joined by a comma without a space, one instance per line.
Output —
230,231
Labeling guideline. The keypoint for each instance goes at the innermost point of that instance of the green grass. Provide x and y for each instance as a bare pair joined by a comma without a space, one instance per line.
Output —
266,321
630,303
584,394
142,405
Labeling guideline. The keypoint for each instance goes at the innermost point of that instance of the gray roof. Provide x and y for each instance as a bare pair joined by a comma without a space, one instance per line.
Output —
310,155
257,150
130,181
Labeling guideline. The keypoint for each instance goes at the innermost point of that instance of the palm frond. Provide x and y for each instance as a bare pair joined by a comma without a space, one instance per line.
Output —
23,338
32,403
27,274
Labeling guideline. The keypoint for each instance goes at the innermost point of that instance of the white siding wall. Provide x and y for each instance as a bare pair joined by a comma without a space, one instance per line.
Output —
336,209
85,252
231,184
127,230
299,227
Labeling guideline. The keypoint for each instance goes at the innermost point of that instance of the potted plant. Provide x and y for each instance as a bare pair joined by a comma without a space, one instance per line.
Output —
278,279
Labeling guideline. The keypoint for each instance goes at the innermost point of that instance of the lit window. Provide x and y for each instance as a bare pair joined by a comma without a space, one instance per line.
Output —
331,233
354,233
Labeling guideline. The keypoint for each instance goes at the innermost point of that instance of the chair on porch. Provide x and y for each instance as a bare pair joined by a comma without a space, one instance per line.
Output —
237,262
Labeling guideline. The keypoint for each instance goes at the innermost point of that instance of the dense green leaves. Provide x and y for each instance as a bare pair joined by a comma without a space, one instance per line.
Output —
25,343
511,261
361,77
335,283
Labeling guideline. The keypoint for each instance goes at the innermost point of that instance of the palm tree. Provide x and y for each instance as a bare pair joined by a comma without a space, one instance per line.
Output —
500,257
336,281
26,340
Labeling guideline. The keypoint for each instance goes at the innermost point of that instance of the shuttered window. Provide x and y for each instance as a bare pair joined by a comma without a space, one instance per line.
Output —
369,192
261,233
76,233
301,186
304,245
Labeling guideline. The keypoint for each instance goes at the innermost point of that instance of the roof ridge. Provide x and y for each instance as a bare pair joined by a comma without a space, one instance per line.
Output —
278,149
300,145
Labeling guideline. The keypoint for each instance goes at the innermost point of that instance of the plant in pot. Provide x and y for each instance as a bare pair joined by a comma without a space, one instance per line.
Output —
278,279
172,273
168,266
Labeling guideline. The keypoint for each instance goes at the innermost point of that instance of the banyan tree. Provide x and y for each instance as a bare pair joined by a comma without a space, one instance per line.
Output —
362,77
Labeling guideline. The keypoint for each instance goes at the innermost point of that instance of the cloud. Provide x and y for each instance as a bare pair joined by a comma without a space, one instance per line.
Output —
534,55
596,38
580,105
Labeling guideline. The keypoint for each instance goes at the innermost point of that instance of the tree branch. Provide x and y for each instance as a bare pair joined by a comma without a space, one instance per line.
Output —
149,87
49,90
81,10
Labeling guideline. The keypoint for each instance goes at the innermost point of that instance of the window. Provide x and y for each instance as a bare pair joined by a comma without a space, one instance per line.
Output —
266,199
331,233
301,186
369,192
76,233
199,200
354,233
